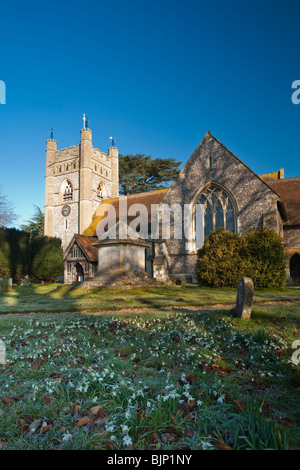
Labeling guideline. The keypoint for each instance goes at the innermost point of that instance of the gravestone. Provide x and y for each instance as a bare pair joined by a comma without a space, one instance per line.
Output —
5,284
244,298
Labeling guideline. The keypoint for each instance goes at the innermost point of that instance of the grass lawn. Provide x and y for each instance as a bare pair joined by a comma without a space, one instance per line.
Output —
62,298
184,379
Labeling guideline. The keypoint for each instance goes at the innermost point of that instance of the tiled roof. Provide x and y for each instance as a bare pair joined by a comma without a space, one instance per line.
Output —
86,243
147,199
289,192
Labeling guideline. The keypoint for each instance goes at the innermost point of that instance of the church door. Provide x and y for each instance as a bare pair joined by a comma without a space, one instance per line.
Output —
79,273
295,269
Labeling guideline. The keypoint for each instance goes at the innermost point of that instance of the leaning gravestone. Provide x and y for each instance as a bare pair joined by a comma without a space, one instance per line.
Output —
244,298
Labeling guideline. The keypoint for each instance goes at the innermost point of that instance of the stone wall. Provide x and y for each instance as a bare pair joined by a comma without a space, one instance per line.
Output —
291,238
255,202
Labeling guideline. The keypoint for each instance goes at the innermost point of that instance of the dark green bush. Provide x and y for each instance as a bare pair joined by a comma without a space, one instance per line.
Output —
225,258
219,260
4,254
14,253
264,258
47,258
21,256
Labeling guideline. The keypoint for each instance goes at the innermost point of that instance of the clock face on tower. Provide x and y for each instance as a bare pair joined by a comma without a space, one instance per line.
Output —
66,210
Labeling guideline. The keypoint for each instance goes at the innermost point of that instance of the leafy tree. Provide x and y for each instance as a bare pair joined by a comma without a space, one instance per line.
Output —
4,254
35,226
140,173
19,255
14,253
7,214
225,258
47,258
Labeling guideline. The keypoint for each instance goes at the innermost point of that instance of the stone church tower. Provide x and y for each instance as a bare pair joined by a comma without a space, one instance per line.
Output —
78,178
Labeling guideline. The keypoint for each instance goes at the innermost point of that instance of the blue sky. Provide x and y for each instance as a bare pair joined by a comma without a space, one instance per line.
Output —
155,74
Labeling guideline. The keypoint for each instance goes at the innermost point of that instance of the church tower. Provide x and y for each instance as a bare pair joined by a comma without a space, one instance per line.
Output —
78,178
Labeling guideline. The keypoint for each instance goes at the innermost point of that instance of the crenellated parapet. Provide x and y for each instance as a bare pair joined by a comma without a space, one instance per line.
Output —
101,157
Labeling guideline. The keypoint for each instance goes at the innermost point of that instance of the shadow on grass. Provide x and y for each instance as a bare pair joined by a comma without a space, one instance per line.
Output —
35,299
57,298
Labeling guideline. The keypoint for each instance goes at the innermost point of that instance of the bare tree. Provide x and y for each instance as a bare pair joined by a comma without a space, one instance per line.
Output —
7,214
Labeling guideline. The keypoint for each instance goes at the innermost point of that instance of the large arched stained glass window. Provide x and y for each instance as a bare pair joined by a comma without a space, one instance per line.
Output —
217,210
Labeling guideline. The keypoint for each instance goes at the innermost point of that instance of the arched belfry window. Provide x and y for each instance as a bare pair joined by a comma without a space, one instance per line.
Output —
67,191
217,210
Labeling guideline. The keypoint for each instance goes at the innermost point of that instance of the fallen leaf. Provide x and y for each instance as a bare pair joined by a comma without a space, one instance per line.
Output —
239,404
286,421
36,363
45,427
190,417
83,421
191,379
55,375
97,411
22,422
8,400
48,400
191,403
182,447
222,445
108,445
169,437
189,432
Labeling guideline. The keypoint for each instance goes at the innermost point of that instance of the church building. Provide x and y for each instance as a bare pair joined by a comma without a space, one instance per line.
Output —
82,182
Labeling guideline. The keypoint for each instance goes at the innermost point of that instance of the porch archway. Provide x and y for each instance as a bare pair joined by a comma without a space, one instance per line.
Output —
295,269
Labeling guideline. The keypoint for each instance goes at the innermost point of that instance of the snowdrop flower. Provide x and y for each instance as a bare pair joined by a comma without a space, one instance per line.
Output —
206,445
110,428
125,429
127,441
67,436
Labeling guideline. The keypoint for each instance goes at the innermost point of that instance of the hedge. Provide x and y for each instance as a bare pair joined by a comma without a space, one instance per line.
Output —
225,258
21,255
